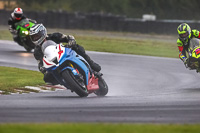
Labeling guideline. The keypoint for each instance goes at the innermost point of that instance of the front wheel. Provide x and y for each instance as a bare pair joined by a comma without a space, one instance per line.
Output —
103,87
74,83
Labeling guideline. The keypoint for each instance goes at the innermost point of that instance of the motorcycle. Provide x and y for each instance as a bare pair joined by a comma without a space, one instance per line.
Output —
73,71
23,28
194,54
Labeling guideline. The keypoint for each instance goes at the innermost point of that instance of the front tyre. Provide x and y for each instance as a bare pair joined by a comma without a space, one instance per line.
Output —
75,85
103,87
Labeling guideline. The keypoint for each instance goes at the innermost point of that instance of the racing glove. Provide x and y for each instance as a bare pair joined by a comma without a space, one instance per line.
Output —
71,42
42,70
70,37
12,31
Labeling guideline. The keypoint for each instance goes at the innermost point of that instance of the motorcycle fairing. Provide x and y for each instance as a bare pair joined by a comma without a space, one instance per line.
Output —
196,53
65,55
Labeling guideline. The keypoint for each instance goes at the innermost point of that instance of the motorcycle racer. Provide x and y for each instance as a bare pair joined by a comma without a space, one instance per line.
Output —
39,37
15,17
185,34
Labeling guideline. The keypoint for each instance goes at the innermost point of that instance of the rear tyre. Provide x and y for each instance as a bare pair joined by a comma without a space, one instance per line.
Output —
75,85
103,87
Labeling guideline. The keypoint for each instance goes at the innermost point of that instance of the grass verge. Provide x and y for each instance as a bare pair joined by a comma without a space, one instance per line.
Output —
124,43
98,128
128,46
14,79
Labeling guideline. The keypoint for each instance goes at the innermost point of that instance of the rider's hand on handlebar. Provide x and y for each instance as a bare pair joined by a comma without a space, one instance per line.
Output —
13,31
42,69
71,42
70,37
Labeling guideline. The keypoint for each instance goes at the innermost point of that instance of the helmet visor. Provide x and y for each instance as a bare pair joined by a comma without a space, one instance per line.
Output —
37,36
18,15
184,35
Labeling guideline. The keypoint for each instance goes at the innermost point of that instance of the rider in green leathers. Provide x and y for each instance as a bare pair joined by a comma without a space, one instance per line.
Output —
185,34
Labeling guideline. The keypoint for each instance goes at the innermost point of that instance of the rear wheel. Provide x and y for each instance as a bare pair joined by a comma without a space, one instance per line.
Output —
103,87
76,83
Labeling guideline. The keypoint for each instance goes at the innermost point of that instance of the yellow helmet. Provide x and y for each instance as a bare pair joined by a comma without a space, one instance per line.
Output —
184,32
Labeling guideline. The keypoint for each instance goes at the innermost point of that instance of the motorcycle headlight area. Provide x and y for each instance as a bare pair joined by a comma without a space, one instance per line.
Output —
25,32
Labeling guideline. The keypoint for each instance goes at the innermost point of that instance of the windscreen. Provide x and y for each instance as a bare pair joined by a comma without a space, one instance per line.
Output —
22,23
194,42
47,43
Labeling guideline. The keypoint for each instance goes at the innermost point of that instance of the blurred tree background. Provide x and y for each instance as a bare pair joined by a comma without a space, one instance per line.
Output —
163,9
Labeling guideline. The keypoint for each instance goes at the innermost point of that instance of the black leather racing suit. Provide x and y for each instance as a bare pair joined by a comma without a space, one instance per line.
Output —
58,38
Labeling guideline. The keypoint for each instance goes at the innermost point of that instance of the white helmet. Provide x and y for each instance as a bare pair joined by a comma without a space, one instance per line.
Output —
38,34
17,13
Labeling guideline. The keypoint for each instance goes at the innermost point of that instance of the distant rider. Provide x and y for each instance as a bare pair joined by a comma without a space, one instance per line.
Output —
185,34
16,16
40,38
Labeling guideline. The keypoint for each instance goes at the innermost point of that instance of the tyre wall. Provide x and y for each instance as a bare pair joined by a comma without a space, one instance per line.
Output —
102,22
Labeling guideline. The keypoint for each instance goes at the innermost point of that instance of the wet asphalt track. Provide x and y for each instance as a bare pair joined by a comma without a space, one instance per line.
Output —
142,89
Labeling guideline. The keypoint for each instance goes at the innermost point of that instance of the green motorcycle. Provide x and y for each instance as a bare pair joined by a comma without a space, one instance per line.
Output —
23,28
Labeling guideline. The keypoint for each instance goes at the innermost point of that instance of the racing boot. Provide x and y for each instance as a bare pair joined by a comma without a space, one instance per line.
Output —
198,70
96,67
49,79
81,51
